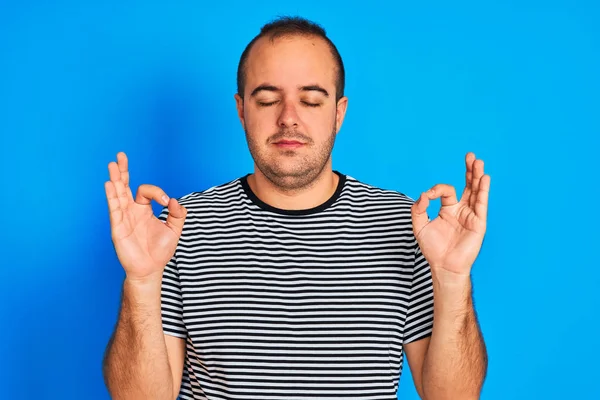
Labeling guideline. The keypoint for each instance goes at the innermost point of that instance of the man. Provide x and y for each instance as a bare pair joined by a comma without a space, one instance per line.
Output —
296,281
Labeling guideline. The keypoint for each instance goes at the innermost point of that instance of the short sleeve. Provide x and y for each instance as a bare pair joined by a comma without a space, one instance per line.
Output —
171,300
419,316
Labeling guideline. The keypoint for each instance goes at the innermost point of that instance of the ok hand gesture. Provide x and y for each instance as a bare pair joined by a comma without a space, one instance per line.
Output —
144,244
451,241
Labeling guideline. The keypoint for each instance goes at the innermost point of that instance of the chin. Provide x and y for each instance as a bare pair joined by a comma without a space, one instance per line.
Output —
291,175
288,171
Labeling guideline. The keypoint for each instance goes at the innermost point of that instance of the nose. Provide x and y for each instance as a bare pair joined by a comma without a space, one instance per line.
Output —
288,117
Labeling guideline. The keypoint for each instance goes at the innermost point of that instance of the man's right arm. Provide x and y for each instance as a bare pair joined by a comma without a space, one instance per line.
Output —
141,362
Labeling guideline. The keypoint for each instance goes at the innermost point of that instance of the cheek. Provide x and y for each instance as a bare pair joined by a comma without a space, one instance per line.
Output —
261,121
322,122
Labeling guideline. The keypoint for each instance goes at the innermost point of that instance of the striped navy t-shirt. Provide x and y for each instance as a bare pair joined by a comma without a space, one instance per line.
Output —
311,304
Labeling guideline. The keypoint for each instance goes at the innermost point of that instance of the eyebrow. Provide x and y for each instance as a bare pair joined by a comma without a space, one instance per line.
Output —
272,88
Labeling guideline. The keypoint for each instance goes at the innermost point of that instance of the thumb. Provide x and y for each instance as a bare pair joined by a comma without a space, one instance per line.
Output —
176,216
419,213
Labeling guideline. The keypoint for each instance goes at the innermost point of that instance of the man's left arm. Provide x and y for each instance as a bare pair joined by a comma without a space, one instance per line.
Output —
452,364
455,362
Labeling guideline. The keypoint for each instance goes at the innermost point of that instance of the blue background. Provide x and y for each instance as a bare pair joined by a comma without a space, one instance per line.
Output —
516,82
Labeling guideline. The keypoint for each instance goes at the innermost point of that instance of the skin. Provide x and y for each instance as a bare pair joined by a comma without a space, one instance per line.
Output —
452,363
284,77
140,361
290,94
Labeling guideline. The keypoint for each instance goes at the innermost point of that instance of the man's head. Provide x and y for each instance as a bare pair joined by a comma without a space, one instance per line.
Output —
291,88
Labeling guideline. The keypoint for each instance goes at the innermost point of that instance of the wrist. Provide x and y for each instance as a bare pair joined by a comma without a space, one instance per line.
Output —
151,279
144,286
451,291
450,281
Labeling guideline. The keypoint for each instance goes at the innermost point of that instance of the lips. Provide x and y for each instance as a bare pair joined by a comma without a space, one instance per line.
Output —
288,142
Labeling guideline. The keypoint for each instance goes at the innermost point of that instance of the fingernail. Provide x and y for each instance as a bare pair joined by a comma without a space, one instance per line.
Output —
165,199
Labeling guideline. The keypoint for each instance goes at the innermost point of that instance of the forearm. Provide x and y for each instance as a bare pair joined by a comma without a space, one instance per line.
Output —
456,361
136,364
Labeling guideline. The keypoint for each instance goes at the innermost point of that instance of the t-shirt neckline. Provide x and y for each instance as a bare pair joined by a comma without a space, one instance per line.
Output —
267,207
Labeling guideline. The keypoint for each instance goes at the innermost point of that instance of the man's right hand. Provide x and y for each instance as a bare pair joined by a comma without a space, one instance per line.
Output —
144,244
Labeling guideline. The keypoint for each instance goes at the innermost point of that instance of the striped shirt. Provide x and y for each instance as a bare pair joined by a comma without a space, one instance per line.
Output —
296,304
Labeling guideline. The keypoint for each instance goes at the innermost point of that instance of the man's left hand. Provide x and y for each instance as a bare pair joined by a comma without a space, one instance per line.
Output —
451,241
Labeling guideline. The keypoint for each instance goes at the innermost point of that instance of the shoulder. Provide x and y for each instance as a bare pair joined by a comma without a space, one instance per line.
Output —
221,196
361,192
381,211
226,192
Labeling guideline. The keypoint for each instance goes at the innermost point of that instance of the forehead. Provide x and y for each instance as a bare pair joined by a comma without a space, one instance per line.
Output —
290,61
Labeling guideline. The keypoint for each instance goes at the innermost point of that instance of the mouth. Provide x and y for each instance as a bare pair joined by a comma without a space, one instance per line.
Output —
288,144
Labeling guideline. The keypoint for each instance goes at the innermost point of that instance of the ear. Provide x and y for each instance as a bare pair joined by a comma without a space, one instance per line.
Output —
239,105
340,113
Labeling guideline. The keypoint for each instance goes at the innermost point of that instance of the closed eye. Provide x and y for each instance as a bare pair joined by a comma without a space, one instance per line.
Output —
311,104
262,104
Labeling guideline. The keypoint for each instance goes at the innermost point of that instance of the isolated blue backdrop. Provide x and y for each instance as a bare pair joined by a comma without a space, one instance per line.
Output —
515,82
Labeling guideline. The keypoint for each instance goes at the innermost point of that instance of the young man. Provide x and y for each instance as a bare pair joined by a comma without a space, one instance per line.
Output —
296,281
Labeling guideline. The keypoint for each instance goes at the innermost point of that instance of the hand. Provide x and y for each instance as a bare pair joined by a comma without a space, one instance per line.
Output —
144,244
451,241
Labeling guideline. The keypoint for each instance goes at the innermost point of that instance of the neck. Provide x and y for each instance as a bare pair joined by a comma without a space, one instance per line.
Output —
313,195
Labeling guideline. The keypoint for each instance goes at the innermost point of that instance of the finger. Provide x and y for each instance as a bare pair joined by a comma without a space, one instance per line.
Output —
123,164
466,195
115,178
477,174
446,192
176,216
481,204
146,193
419,213
114,206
